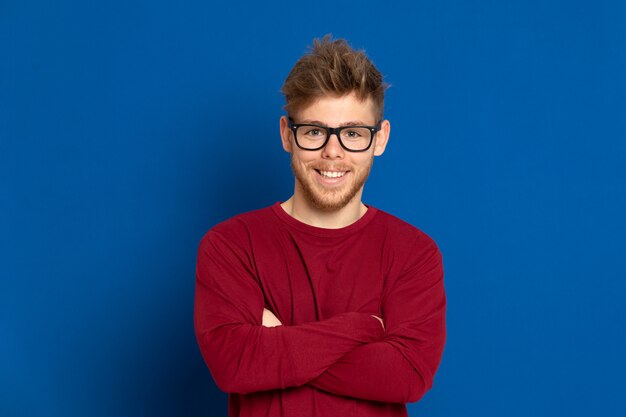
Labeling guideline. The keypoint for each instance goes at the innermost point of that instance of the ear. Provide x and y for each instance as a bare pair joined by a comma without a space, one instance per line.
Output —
285,134
381,138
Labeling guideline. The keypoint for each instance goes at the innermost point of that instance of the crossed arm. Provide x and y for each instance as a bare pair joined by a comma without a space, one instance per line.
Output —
270,320
400,367
244,356
248,350
371,372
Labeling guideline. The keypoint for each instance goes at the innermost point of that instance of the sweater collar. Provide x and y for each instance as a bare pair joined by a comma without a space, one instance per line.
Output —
321,231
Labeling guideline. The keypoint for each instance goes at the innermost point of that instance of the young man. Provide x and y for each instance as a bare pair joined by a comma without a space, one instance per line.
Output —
322,305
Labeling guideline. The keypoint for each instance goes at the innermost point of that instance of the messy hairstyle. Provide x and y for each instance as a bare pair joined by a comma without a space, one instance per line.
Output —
333,68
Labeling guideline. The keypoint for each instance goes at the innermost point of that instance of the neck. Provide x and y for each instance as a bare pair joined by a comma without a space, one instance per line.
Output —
301,210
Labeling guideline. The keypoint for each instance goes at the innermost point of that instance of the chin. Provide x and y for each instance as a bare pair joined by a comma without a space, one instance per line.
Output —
328,201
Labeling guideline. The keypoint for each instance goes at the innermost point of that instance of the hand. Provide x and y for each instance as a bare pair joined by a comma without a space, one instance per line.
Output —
380,320
269,319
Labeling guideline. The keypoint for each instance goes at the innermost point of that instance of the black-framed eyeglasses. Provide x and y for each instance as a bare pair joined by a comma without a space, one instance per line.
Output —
312,137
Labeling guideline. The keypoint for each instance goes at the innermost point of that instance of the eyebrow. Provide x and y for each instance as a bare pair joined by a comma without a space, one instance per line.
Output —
351,123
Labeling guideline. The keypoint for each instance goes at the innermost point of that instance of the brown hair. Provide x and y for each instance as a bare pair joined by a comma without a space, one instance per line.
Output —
333,68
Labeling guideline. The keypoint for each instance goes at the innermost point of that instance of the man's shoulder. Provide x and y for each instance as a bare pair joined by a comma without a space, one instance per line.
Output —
257,216
403,231
239,226
414,248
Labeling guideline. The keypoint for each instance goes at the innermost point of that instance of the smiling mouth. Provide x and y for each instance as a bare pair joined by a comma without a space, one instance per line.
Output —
331,174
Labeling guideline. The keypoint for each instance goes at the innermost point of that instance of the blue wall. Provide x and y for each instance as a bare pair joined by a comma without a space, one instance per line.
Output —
128,129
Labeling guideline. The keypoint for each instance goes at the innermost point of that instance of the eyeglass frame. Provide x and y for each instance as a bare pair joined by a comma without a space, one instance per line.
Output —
330,131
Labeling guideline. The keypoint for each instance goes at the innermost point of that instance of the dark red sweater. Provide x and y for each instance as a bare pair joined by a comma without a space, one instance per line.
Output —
330,357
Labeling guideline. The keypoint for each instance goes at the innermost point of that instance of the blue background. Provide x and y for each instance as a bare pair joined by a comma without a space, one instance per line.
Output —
128,129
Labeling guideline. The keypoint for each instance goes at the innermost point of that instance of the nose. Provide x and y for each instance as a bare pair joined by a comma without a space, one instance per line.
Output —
333,148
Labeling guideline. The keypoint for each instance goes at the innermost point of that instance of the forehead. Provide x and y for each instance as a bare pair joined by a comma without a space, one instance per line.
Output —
335,111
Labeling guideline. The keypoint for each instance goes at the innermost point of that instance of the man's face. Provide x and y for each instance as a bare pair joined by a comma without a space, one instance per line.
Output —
330,178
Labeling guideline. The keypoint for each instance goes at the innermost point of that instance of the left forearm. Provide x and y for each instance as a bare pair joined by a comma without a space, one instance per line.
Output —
375,371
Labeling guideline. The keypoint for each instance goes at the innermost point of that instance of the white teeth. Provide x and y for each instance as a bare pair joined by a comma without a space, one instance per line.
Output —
333,174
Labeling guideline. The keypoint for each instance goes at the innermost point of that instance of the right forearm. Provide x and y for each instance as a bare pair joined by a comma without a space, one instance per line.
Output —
247,358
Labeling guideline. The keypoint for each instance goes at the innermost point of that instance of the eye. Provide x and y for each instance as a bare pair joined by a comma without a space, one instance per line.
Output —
352,134
314,131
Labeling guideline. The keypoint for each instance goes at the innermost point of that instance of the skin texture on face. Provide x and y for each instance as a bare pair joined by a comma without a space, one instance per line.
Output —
313,193
330,198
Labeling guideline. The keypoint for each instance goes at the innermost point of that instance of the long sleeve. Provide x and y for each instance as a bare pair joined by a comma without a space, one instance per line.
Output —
399,368
242,355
